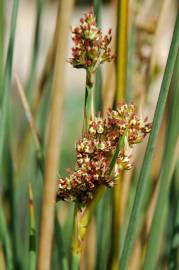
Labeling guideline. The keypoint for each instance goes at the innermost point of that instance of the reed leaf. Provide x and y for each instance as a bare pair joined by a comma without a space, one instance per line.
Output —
1,43
32,233
121,50
166,173
7,77
145,170
103,232
52,156
174,242
31,122
98,84
60,245
121,76
35,52
5,240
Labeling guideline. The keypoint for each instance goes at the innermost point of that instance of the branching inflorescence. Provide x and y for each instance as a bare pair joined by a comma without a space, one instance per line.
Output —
100,139
91,47
95,151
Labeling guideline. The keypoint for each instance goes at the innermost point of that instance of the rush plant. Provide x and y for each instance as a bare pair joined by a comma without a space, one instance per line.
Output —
109,202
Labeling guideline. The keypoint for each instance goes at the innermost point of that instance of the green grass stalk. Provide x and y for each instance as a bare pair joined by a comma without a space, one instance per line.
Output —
5,240
166,172
174,242
121,75
52,157
130,59
31,83
7,77
32,232
31,122
60,245
145,170
121,50
89,108
98,85
103,232
1,43
5,90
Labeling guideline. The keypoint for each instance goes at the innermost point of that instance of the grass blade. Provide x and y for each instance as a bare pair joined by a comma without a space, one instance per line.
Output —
32,234
98,84
35,53
4,236
165,178
1,43
7,77
145,170
35,135
174,243
60,245
51,162
121,75
122,36
103,232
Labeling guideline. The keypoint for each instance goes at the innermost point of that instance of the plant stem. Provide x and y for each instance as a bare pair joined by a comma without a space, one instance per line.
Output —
31,122
121,75
89,111
5,240
122,42
32,234
98,85
7,76
60,244
76,242
165,177
52,157
1,43
145,170
35,53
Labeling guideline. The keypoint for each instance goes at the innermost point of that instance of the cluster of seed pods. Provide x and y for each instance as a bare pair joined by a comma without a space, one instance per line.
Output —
94,152
91,47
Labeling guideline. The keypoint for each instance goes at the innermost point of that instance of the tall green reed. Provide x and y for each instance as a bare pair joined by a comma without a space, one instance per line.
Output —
166,172
120,96
145,170
52,156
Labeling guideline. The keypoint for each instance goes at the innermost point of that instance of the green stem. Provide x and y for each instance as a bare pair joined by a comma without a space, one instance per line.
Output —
165,178
7,78
35,52
1,43
121,75
76,244
121,51
98,85
5,240
60,244
32,234
146,166
89,111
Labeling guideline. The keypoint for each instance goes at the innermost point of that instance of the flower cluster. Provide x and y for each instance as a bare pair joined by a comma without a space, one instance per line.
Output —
91,47
95,151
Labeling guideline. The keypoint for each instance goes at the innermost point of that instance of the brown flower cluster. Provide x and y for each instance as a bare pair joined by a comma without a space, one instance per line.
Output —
95,151
91,47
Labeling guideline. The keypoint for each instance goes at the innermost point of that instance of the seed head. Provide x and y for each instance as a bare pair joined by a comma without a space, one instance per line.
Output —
91,47
95,150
